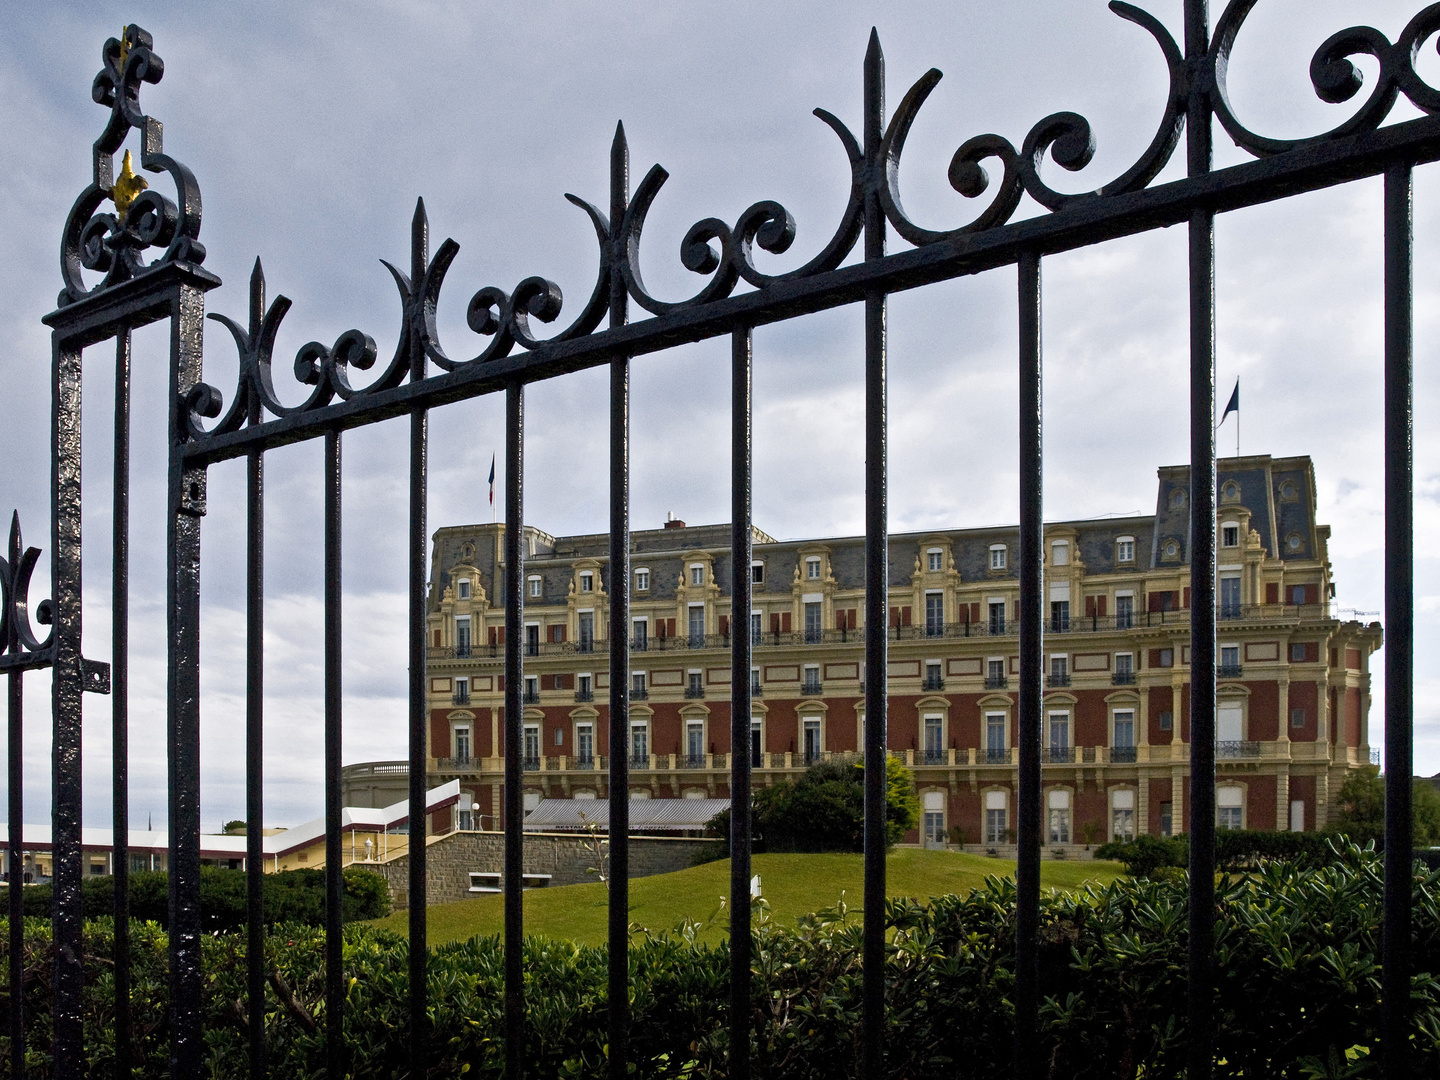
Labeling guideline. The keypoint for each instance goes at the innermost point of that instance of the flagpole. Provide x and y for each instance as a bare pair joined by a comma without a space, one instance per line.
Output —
1237,418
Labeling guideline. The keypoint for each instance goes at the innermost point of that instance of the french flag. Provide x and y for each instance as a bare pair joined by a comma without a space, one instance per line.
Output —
492,479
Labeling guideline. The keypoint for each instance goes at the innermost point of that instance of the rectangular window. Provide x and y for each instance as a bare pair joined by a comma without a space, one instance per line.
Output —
642,580
995,674
695,743
532,746
812,741
1059,821
640,743
462,636
813,622
757,573
1297,717
1059,671
584,688
934,614
640,639
756,627
587,582
532,639
934,826
532,688
697,626
811,685
1297,815
1228,817
559,736
1124,669
1167,657
1230,660
755,688
757,744
1122,815
933,681
1229,725
535,587
584,744
462,744
694,687
462,589
1059,737
638,689
997,616
995,737
1297,595
1125,549
697,573
995,825
934,557
1060,553
1297,654
1167,721
997,557
587,631
1059,616
462,691
812,569
1230,596
1124,738
1230,536
934,739
1167,819
1124,612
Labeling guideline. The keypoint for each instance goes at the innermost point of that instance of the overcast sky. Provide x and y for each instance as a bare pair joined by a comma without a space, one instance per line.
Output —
312,128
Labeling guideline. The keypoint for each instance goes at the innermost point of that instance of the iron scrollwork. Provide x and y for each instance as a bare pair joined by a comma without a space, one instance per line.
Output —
726,253
113,243
19,647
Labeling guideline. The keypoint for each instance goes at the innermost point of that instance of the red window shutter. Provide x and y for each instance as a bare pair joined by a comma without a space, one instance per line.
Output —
437,639
500,682
1272,592
1312,594
1100,602
670,627
775,622
1090,611
850,618
492,636
1152,601
1187,596
894,616
975,612
904,616
724,625
784,621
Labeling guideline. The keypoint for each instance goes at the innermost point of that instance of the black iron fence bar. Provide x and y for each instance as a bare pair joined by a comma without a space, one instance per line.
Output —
334,942
255,720
513,882
418,708
741,692
618,912
119,702
877,549
1082,223
1198,144
1032,666
1399,621
14,861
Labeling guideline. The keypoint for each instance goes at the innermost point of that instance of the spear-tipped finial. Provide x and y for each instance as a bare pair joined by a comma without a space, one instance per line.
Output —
419,242
619,175
15,538
127,186
257,298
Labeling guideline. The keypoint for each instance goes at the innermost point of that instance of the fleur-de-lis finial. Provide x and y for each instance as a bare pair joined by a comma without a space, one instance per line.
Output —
127,186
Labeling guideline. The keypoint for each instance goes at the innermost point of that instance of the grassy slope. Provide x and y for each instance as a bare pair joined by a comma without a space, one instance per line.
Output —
793,885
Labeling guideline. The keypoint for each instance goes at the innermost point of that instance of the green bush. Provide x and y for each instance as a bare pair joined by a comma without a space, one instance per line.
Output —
1147,853
291,896
1296,950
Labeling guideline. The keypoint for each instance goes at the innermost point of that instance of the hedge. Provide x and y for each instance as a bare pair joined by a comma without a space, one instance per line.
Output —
290,896
1235,849
1296,961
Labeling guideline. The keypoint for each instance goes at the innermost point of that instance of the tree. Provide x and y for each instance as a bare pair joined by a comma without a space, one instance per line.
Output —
1361,809
234,828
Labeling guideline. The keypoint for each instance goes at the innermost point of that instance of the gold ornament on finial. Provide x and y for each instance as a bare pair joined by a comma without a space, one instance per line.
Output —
124,46
127,186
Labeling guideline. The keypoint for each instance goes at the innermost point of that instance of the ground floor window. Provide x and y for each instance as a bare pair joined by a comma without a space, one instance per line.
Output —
934,820
1059,818
1229,808
1122,815
994,817
1167,819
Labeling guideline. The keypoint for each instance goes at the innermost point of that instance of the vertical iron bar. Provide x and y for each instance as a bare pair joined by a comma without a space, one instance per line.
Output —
255,724
418,752
1202,563
619,898
65,711
186,499
15,864
741,550
1399,620
334,972
514,730
1032,665
877,542
120,702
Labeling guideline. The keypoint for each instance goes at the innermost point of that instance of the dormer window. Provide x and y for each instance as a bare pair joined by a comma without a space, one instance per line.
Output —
1230,492
1125,549
587,581
1060,553
535,586
642,580
1230,536
462,589
812,568
757,573
697,573
997,556
934,559
1177,499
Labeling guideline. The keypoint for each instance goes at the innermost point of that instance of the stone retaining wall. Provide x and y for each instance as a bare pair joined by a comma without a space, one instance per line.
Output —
451,859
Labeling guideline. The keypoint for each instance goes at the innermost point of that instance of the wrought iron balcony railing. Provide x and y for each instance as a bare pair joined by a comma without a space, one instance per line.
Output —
933,682
694,691
639,693
693,761
1057,755
993,755
933,757
461,697
1123,678
1057,680
1229,671
584,695
811,689
531,764
640,761
1240,748
531,697
996,682
1122,755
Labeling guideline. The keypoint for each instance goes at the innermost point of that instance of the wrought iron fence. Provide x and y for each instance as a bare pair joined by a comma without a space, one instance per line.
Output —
143,263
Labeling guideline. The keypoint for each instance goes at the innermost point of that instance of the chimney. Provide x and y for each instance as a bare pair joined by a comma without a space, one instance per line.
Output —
672,522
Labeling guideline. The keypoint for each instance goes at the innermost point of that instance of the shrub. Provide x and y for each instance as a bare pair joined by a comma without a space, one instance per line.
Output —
1146,853
1296,952
291,896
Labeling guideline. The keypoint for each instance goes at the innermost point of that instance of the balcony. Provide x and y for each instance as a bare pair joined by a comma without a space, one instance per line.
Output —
1123,678
695,691
1237,749
996,682
585,645
461,697
584,761
934,757
639,693
531,697
1229,671
995,755
1122,755
530,764
810,689
933,682
756,690
1059,624
639,644
462,651
1057,680
640,762
584,695
457,764
1057,755
693,761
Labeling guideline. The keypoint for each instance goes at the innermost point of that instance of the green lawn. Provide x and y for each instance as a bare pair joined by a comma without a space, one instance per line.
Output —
794,885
